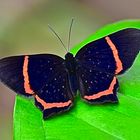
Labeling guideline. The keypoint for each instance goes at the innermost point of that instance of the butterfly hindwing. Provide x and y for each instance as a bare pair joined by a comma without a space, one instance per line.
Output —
55,96
97,87
114,53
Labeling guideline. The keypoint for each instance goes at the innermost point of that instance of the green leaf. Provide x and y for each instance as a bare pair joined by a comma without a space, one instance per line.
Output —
85,121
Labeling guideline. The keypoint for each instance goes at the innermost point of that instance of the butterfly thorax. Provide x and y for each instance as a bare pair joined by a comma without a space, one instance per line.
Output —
70,63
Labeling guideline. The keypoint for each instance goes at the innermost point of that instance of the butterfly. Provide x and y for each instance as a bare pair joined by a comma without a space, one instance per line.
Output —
54,81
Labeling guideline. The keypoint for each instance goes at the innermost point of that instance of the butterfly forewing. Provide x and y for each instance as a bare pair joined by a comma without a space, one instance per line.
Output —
27,74
11,73
127,44
42,68
114,53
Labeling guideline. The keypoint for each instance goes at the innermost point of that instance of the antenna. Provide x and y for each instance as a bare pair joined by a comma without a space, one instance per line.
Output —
69,36
57,37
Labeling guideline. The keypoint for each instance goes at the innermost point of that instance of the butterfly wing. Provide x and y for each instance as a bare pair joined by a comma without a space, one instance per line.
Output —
26,74
37,75
55,96
114,53
108,56
97,86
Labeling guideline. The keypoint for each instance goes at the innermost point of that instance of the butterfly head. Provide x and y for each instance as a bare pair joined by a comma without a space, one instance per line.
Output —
69,56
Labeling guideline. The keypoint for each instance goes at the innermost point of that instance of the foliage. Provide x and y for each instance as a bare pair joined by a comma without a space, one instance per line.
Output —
84,121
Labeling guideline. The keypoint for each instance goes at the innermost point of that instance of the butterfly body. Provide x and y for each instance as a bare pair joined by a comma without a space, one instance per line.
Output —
71,65
54,81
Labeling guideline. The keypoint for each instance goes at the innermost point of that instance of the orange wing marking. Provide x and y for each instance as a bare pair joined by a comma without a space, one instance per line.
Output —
105,92
52,105
26,76
115,54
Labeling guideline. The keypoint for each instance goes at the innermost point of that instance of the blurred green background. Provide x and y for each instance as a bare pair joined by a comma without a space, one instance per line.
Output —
23,30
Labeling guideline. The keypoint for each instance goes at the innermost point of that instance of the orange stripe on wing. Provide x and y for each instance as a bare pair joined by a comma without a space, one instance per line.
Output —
105,92
26,76
52,105
115,54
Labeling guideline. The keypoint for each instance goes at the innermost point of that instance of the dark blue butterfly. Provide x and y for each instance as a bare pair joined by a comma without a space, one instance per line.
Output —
54,81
